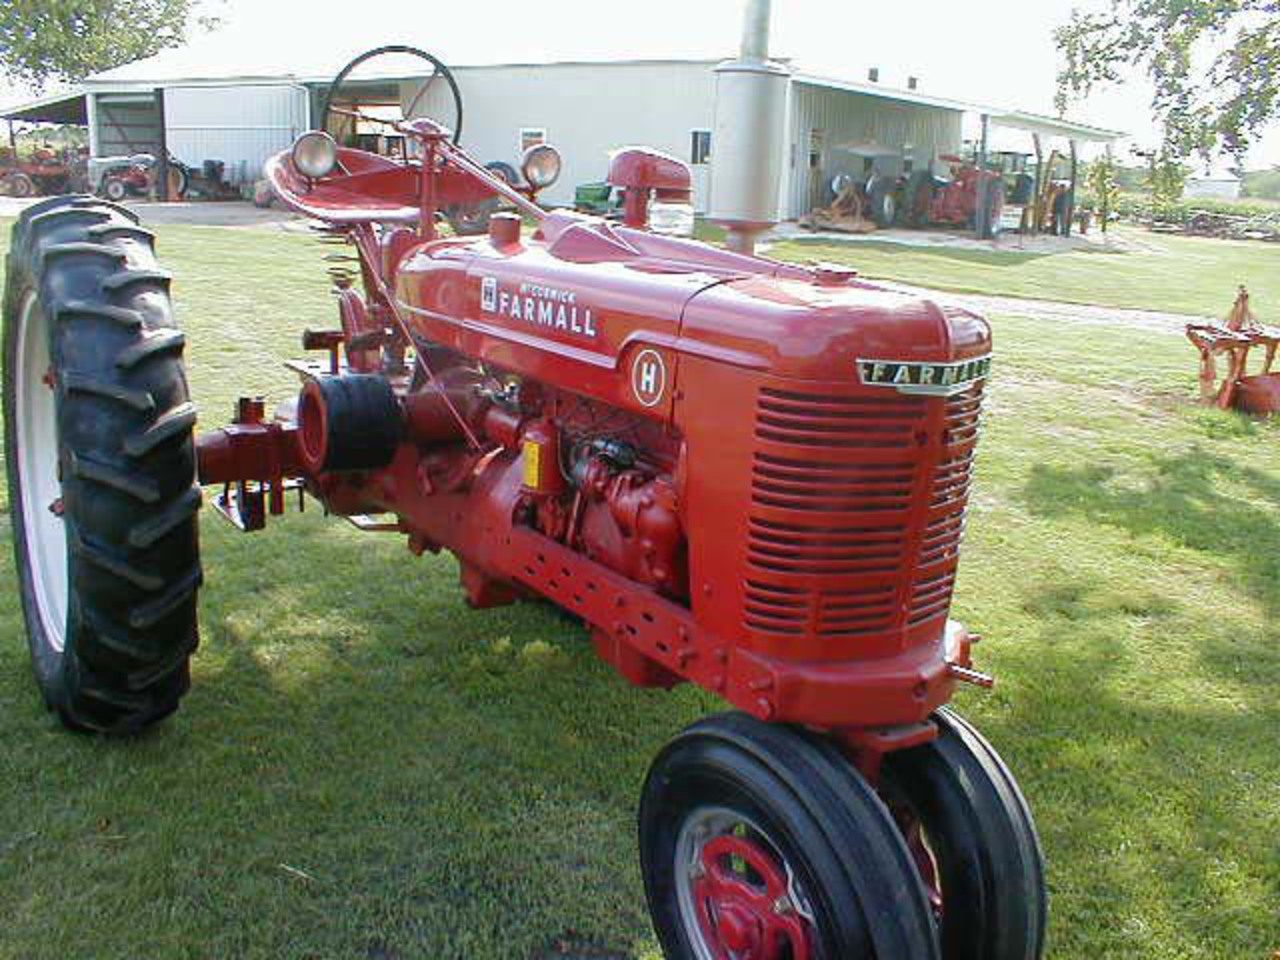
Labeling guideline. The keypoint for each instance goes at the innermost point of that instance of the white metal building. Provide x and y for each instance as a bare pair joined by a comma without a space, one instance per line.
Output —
587,109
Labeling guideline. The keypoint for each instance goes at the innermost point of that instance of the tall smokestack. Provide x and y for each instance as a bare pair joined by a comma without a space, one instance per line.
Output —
750,131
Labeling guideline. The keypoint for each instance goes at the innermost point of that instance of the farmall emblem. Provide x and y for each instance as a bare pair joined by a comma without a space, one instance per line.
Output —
649,377
927,379
551,308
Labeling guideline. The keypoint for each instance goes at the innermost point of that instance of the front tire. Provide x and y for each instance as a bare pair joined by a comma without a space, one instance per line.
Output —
756,843
101,466
970,831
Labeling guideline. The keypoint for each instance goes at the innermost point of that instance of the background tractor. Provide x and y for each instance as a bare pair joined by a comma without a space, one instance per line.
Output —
43,171
734,472
953,199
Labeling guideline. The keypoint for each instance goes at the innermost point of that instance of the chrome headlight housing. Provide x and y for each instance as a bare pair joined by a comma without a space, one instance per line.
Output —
541,166
315,154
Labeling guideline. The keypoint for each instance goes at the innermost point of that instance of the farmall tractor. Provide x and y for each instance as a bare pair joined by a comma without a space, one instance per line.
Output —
735,472
954,200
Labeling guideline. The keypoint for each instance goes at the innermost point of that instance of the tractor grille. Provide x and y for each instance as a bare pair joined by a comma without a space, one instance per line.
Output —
835,479
948,497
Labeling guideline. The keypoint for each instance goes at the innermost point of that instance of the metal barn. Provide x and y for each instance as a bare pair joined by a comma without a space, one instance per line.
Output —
587,109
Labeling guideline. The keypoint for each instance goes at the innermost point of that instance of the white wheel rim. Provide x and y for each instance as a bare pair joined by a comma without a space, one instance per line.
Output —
703,825
37,442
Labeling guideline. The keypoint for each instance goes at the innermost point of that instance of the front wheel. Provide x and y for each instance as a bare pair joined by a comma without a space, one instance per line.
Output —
758,844
971,834
101,466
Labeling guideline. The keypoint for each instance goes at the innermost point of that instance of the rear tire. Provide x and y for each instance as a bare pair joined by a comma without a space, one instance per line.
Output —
114,189
883,201
21,186
919,196
101,466
965,817
754,841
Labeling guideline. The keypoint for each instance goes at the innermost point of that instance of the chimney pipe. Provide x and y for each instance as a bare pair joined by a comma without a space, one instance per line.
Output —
749,136
755,32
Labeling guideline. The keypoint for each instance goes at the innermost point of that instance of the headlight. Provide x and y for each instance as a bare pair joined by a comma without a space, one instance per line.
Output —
541,166
315,154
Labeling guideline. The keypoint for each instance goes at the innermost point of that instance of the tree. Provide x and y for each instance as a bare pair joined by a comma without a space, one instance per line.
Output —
1215,65
1167,180
1263,184
1102,183
42,40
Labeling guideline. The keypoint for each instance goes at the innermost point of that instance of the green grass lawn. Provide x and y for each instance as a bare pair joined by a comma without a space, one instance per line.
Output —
1169,273
365,769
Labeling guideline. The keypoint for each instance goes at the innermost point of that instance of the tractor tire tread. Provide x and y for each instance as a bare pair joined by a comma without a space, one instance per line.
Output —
140,400
132,231
126,425
177,422
149,531
130,319
99,217
124,278
148,614
160,341
121,569
141,489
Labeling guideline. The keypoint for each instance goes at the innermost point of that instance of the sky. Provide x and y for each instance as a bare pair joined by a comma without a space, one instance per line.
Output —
999,52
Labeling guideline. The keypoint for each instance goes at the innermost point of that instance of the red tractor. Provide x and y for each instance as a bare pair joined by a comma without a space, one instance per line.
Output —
45,171
954,200
735,472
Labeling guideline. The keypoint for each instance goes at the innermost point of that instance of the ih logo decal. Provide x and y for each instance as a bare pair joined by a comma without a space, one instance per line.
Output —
649,377
489,294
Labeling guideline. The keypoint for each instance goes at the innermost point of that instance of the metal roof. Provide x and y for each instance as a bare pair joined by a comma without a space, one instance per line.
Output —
1053,127
1000,116
888,93
68,107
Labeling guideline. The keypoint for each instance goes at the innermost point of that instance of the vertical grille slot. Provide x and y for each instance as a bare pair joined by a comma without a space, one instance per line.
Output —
948,496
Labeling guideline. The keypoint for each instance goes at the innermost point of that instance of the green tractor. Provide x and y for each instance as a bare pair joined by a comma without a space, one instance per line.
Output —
598,197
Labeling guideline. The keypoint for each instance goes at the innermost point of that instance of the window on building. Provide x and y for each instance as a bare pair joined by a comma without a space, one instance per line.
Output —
531,137
700,147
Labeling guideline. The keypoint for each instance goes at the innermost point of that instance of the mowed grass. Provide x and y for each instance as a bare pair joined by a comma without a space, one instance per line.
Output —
366,769
1144,270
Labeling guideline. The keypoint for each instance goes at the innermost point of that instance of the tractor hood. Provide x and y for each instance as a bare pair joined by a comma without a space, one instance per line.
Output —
610,311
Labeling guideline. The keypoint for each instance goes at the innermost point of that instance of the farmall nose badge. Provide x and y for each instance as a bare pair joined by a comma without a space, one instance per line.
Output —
924,379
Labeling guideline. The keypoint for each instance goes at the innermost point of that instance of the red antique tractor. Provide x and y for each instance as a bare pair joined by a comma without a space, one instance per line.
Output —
735,472
954,200
44,171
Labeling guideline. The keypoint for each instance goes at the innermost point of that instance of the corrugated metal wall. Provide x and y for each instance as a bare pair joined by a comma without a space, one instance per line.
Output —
843,117
126,124
587,111
241,125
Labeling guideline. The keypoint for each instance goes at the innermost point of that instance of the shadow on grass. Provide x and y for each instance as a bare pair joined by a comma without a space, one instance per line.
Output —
364,767
1136,815
1186,500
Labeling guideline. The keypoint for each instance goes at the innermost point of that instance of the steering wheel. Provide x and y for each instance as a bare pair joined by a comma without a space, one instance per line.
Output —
440,70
